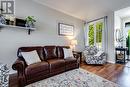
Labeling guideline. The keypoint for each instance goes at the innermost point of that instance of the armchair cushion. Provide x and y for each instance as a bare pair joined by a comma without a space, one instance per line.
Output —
91,50
99,53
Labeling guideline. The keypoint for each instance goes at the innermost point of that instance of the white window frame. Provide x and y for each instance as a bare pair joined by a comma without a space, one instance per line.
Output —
95,44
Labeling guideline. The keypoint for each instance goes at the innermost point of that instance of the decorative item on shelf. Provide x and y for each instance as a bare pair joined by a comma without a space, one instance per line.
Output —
30,22
20,22
7,18
2,18
10,20
7,21
73,43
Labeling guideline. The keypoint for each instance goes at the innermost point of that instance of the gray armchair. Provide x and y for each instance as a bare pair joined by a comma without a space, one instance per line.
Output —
93,56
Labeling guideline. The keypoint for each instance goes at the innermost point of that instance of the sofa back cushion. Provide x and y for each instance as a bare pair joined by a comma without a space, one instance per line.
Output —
60,52
50,52
31,48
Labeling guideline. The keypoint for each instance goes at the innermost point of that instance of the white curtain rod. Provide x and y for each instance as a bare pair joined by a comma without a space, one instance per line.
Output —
97,19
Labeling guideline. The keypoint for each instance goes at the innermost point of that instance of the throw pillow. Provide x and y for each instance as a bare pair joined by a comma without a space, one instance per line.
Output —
31,57
67,53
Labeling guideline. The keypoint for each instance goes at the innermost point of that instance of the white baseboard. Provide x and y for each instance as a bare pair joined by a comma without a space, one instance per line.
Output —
111,62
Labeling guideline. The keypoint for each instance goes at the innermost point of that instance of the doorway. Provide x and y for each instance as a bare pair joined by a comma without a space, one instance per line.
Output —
122,32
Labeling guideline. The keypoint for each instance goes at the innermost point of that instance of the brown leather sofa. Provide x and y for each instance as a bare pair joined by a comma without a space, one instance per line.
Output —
52,63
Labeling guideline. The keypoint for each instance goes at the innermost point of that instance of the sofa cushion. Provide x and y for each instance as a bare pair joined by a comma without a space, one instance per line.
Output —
60,52
56,63
70,61
50,52
37,68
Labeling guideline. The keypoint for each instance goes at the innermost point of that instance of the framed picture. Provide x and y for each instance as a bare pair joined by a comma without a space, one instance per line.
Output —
65,29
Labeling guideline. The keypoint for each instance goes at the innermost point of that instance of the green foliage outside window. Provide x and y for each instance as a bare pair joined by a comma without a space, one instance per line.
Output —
99,27
91,35
98,30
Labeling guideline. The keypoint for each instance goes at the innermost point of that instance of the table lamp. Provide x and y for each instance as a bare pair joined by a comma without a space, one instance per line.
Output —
73,43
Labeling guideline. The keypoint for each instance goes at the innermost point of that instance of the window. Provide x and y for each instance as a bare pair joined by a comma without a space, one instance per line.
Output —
95,34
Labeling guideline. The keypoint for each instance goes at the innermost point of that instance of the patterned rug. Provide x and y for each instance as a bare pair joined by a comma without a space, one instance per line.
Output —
74,78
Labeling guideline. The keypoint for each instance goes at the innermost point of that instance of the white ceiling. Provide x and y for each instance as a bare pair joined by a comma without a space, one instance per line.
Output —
86,9
123,13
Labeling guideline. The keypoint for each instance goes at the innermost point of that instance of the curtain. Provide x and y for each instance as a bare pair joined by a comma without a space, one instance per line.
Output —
86,30
105,36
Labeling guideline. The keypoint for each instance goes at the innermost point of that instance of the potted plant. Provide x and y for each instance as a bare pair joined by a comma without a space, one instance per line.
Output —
30,21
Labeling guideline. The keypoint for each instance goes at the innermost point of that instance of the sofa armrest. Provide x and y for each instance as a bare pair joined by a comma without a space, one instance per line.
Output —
76,56
20,66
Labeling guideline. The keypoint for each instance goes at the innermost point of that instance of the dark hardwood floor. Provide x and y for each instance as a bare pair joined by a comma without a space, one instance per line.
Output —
117,73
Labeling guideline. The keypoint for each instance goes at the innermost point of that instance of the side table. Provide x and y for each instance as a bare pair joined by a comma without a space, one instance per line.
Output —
4,75
79,53
121,58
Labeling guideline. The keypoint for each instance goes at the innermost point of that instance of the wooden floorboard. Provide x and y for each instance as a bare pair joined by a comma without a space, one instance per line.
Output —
117,73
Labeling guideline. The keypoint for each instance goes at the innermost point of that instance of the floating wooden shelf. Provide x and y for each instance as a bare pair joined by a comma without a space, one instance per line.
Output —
13,26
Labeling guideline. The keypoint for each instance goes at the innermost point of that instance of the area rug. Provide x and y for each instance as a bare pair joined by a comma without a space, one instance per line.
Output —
75,78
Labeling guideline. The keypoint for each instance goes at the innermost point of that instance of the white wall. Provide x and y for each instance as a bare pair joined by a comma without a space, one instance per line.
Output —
117,21
125,29
46,34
